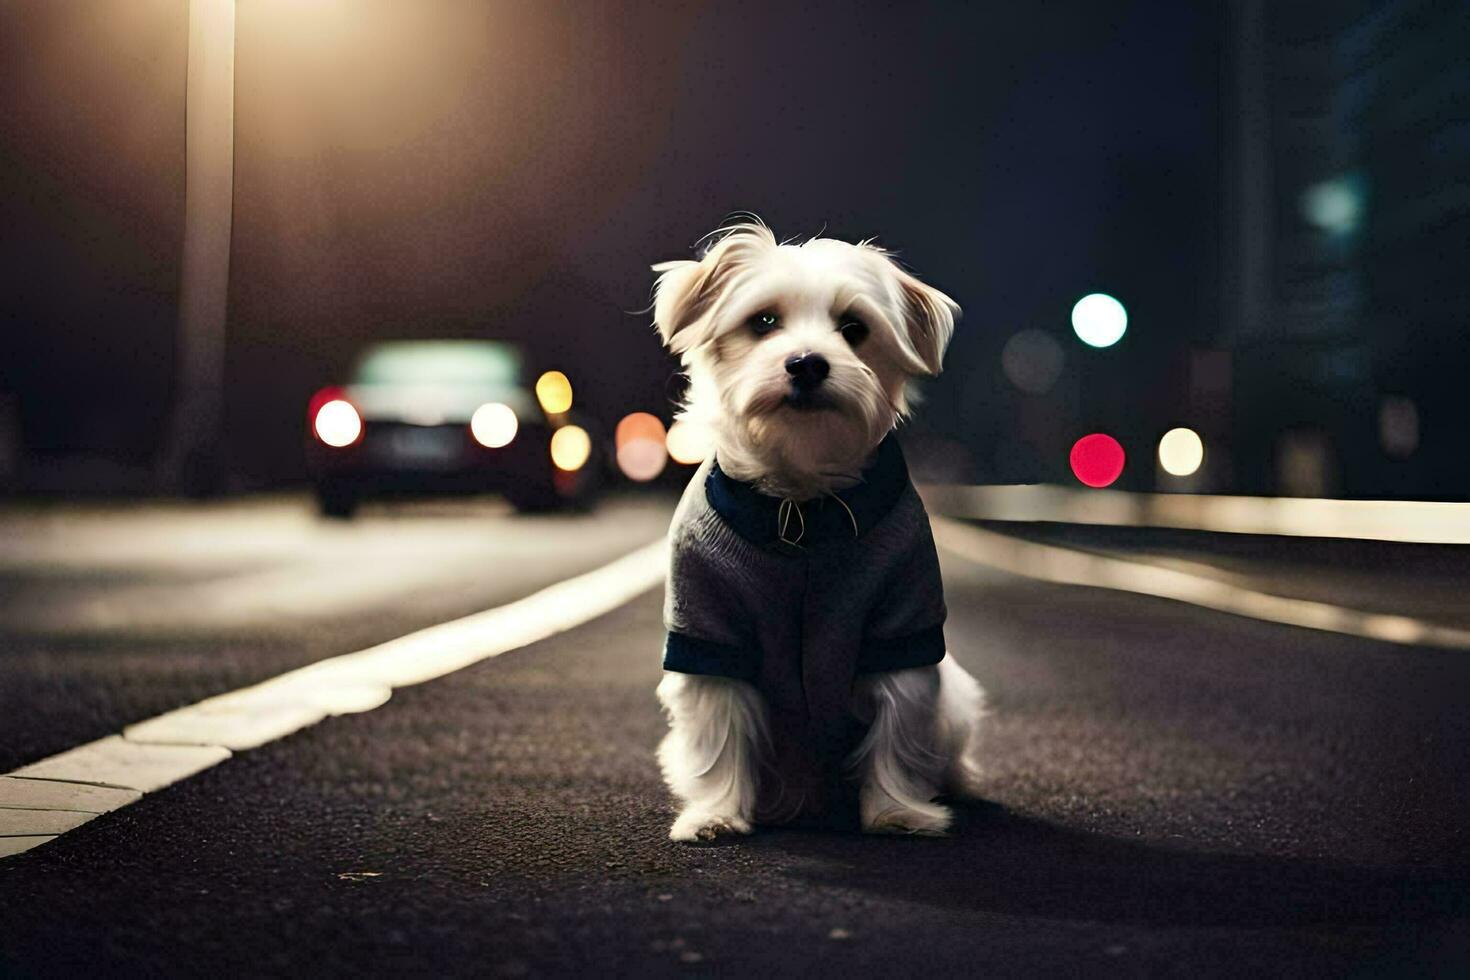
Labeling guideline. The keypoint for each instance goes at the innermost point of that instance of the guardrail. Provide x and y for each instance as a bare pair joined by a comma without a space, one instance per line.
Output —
1416,521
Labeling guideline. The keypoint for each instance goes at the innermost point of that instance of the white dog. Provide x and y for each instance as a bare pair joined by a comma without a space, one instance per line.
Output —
805,661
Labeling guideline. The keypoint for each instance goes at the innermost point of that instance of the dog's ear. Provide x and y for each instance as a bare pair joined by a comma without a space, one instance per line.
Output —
677,299
928,321
687,291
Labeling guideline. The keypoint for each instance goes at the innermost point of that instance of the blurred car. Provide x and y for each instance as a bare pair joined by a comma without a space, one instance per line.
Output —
447,416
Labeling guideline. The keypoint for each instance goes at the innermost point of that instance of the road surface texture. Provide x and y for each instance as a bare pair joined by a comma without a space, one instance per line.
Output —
1169,790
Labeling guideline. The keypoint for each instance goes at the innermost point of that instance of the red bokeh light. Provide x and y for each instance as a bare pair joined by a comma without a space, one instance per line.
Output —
1097,459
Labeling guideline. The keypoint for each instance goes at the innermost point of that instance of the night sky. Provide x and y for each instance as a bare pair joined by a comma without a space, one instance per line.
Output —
448,168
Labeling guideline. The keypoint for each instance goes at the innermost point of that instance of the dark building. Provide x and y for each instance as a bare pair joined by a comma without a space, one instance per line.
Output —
1347,234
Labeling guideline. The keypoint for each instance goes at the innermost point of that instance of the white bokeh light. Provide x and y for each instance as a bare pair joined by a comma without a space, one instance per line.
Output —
1099,320
337,423
689,442
1181,451
494,425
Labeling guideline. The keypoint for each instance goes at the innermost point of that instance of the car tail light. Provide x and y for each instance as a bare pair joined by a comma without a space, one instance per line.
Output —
333,418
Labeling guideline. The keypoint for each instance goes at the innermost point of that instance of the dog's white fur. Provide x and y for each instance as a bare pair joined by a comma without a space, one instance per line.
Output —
923,722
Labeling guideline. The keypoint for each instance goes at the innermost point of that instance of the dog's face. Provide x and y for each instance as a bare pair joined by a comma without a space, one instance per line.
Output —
798,355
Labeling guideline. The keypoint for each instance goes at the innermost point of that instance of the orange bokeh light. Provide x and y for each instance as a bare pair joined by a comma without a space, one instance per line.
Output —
640,446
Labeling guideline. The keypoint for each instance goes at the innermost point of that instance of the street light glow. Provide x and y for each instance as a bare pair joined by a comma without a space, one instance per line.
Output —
1181,451
1099,320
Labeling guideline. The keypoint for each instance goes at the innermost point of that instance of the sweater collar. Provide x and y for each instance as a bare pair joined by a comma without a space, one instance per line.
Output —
837,517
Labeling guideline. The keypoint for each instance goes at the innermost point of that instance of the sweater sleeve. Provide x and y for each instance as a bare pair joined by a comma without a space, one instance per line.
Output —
704,612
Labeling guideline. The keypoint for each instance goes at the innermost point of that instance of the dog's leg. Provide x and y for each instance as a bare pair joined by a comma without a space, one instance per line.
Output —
961,708
901,763
717,726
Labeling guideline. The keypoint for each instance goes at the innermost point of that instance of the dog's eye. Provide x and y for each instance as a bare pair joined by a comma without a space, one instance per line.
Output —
764,322
854,331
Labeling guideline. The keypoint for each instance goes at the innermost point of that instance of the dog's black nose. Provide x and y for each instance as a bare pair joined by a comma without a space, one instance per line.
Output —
807,370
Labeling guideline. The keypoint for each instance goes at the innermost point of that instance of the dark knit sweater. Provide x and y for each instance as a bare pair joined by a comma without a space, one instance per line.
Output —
844,590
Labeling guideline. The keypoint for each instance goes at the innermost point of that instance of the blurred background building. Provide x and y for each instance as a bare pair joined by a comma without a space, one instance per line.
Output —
1275,192
1347,195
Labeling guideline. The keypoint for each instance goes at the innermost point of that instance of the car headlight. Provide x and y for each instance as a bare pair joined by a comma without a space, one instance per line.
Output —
494,425
337,423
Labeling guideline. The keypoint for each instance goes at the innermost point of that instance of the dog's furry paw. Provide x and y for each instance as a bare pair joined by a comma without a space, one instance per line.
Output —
707,827
931,821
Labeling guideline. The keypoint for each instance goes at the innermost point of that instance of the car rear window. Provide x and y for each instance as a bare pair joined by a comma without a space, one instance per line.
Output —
440,362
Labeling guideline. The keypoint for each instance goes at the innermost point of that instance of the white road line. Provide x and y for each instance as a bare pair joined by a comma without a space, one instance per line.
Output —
46,798
45,794
1417,521
1064,566
21,823
14,845
122,764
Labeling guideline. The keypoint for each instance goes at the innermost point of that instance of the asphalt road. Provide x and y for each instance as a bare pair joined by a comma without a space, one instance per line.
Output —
1169,790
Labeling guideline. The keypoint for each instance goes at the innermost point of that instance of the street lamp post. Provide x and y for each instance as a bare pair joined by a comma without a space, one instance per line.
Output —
190,460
